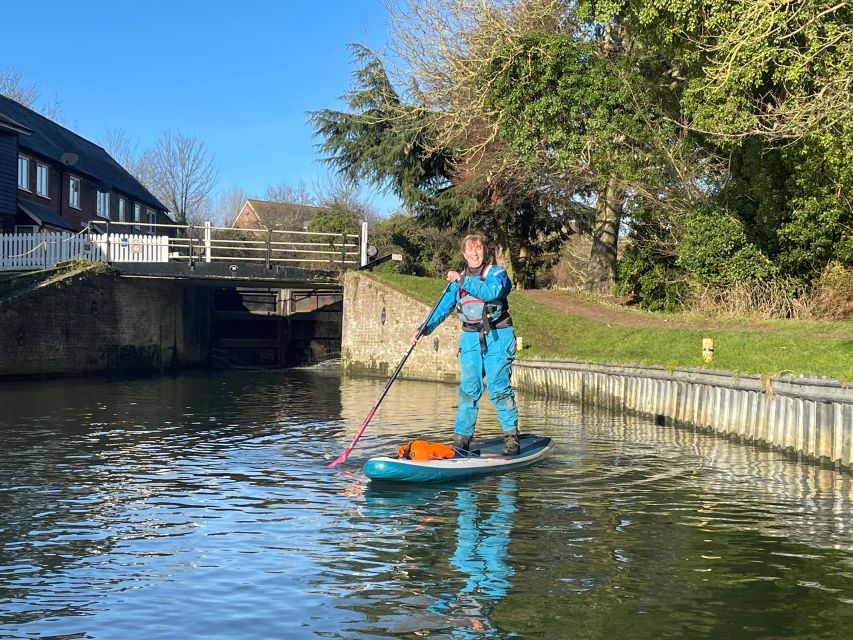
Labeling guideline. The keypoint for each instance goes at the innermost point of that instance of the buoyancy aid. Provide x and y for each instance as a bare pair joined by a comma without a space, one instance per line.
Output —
423,450
477,315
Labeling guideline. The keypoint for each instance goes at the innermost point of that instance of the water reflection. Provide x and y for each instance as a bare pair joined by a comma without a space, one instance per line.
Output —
472,526
198,506
105,486
482,540
482,555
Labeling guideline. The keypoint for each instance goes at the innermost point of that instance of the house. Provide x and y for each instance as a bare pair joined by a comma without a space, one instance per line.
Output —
262,214
52,179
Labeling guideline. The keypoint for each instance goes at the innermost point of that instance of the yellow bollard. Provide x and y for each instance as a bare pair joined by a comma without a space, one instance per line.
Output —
519,343
707,349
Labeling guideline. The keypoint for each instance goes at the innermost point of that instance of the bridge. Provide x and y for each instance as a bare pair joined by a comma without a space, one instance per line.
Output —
232,273
265,297
201,254
278,296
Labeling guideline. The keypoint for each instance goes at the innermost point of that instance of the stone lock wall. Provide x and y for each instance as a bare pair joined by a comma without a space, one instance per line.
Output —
95,321
377,324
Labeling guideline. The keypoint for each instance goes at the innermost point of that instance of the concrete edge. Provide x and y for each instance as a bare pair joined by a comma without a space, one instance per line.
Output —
824,389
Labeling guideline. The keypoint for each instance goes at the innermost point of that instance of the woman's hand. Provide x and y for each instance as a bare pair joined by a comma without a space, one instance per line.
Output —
453,276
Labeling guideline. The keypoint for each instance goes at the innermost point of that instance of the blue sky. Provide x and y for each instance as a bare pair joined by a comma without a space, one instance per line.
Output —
240,76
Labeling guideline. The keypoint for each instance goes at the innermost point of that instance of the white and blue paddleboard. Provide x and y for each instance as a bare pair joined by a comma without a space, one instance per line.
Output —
485,457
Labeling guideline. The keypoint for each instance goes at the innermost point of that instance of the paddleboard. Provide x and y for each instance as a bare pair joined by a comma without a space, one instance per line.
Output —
485,457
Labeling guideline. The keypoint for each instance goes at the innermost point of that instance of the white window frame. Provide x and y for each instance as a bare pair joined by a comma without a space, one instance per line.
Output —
152,219
103,204
74,186
122,209
42,180
26,228
23,173
137,215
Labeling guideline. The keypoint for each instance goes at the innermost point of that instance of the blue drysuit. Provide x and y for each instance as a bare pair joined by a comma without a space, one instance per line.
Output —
494,361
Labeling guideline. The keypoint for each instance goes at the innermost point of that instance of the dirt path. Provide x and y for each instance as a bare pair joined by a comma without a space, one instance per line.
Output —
564,302
574,305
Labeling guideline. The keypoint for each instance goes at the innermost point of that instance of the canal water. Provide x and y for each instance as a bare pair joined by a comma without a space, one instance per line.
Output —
198,506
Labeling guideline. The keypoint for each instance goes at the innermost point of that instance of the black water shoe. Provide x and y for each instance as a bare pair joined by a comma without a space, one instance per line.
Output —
511,447
461,444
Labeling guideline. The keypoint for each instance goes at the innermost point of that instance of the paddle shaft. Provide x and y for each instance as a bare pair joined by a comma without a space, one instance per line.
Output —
342,458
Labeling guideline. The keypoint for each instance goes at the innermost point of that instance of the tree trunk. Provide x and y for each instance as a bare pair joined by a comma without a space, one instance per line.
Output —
503,257
522,270
601,268
515,265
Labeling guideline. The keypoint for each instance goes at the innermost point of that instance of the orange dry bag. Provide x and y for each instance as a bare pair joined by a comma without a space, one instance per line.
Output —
423,450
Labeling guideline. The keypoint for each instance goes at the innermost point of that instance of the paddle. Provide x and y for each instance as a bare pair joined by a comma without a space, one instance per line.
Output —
343,457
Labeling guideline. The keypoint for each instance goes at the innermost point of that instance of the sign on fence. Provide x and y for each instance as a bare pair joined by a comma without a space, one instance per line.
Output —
117,247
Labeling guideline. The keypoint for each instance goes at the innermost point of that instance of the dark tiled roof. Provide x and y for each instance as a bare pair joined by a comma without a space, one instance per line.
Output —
283,215
8,123
51,140
45,215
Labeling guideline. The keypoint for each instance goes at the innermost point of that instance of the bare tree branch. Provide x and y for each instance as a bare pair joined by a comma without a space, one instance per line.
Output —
183,174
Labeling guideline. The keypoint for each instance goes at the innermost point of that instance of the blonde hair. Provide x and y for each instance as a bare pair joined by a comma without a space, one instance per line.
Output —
473,237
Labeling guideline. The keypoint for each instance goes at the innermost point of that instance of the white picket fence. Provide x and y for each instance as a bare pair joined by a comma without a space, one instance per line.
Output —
24,251
118,247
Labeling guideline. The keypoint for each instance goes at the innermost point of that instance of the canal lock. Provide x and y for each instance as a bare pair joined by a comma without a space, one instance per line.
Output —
254,327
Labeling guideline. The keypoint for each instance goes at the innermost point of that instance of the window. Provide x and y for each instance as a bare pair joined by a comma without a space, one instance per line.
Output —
74,192
41,179
152,219
122,210
25,228
137,215
103,207
23,173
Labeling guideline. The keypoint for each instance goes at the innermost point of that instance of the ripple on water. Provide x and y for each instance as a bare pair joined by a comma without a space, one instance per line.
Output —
199,506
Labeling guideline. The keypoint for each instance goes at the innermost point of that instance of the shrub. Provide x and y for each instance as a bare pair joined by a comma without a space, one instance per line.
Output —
569,271
833,293
655,280
773,298
426,250
715,250
817,234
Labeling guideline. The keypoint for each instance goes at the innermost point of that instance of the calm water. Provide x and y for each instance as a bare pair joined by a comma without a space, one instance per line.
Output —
198,507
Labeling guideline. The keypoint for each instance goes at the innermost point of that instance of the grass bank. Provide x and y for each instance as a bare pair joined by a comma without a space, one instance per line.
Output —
607,333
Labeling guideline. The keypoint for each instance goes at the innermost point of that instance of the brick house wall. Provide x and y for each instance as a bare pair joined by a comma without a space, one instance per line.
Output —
247,219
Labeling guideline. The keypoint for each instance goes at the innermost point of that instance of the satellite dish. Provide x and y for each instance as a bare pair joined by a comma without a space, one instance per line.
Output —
70,159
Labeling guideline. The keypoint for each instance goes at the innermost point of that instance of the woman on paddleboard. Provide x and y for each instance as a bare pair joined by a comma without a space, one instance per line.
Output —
487,346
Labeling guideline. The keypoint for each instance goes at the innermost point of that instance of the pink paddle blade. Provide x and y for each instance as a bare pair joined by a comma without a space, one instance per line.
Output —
343,457
339,460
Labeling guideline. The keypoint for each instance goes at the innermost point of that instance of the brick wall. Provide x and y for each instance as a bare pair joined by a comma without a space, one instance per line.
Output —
94,322
371,345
